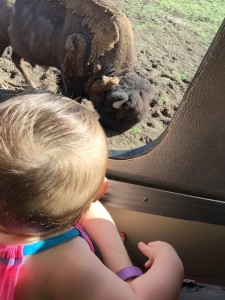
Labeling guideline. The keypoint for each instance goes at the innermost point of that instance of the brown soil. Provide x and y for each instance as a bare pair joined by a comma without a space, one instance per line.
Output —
168,56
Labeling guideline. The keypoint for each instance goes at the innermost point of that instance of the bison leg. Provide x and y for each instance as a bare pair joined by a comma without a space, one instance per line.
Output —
73,64
16,59
3,46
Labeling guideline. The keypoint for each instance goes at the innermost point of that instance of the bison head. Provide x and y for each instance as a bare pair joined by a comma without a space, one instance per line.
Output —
127,103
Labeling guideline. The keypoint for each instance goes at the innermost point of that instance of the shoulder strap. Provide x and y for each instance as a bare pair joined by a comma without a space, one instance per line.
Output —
33,248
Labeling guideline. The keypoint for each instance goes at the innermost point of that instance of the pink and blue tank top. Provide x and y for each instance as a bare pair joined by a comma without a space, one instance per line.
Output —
12,258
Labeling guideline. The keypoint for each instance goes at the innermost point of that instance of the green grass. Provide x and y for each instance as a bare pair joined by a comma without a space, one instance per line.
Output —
164,99
136,130
183,76
203,16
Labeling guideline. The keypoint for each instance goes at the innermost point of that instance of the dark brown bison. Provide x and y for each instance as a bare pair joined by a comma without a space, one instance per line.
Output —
90,42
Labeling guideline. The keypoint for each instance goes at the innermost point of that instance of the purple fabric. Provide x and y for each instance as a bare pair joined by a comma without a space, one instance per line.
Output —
129,272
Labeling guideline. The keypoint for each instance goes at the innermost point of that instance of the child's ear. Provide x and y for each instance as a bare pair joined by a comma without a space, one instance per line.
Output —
102,189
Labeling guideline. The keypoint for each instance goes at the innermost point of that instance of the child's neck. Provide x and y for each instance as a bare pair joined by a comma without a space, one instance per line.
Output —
17,239
10,238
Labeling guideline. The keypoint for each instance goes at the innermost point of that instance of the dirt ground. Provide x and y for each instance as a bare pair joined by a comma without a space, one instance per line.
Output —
169,52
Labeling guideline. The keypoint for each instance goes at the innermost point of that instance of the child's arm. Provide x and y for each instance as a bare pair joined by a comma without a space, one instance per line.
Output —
100,227
164,278
86,277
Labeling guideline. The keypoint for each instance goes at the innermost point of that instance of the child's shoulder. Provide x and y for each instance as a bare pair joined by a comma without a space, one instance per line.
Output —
75,268
60,271
70,257
71,270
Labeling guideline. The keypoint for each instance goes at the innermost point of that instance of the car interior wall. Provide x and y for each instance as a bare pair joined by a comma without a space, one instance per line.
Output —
201,246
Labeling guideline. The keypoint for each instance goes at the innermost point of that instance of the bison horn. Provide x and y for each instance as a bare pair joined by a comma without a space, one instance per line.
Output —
103,84
118,104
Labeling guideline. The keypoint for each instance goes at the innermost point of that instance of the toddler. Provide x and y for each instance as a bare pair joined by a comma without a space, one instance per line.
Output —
53,160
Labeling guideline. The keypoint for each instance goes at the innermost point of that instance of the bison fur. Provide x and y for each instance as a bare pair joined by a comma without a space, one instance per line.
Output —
90,42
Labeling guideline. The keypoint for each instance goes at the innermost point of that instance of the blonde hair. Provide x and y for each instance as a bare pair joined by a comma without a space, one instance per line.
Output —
53,156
